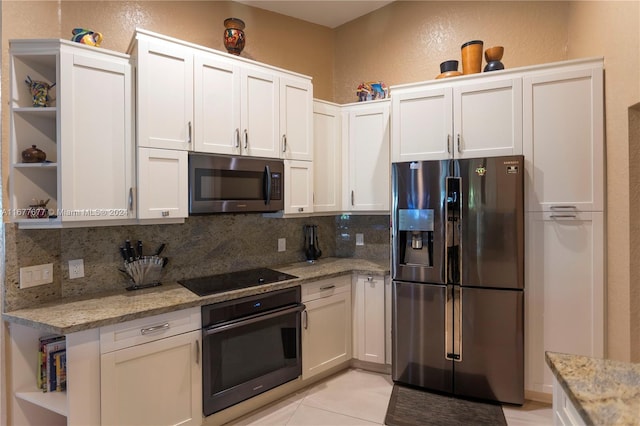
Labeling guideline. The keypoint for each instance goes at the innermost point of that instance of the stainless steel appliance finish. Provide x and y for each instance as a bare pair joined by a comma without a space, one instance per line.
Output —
219,183
458,276
250,345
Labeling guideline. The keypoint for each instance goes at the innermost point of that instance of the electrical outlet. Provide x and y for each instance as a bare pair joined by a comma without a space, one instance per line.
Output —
282,244
31,276
359,239
76,269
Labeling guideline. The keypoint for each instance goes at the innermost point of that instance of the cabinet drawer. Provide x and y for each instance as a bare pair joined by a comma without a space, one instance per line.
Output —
326,288
144,330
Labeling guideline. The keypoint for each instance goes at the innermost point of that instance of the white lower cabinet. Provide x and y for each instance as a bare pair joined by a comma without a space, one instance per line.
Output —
369,319
565,290
326,325
154,376
564,412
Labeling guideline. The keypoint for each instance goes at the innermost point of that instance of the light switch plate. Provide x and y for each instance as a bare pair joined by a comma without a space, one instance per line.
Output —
359,239
282,244
31,276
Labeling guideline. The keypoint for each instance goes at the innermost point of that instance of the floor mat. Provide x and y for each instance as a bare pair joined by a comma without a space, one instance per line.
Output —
412,407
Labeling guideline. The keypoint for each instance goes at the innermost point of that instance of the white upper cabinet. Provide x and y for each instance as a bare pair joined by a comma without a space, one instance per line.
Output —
259,113
298,183
421,124
457,119
564,138
487,118
165,94
217,105
97,152
296,119
85,130
163,189
368,166
327,157
198,99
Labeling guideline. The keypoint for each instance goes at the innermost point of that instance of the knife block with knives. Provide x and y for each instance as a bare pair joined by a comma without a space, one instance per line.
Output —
142,271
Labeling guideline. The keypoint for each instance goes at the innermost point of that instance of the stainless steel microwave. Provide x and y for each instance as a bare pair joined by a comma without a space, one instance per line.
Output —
220,183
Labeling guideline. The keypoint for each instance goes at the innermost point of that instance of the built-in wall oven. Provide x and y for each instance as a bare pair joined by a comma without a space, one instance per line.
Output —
250,345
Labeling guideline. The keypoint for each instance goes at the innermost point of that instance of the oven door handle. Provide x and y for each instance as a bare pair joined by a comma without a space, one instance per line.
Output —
252,319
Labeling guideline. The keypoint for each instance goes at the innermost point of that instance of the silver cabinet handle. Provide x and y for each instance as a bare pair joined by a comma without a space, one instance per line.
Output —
198,352
284,143
189,139
557,216
131,199
328,287
246,139
305,318
352,198
459,150
448,144
565,207
155,329
237,138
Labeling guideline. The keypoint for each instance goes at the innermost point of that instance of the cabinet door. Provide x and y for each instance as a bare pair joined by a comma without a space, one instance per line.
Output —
298,196
369,165
296,119
326,333
565,290
369,319
563,140
96,130
327,158
158,383
217,106
163,187
165,95
422,124
487,119
260,111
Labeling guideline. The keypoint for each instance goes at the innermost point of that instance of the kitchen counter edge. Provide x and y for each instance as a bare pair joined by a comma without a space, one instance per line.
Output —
93,311
603,391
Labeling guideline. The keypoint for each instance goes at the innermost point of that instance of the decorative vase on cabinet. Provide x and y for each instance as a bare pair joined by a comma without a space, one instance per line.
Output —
234,38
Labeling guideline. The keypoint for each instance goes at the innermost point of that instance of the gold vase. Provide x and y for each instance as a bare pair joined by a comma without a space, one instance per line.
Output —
472,57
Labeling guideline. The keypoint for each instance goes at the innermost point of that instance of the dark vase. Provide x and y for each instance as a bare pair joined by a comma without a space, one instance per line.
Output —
234,35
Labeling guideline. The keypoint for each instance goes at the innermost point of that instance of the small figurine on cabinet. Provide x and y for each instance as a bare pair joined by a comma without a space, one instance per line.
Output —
85,36
39,92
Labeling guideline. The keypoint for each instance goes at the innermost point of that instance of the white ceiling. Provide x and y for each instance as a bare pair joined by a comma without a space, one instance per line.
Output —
329,13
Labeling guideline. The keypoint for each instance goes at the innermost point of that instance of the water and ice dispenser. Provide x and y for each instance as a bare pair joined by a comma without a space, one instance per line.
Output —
415,234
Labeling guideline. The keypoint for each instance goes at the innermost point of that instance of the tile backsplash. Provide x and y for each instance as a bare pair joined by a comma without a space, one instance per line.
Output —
203,245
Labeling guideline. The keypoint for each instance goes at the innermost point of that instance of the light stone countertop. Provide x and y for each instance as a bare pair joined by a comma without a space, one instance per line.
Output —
98,310
604,392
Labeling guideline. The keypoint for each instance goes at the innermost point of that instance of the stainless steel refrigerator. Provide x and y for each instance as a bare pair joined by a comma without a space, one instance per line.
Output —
458,276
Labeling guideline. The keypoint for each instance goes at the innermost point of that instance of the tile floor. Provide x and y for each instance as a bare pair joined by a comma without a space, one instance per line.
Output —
357,397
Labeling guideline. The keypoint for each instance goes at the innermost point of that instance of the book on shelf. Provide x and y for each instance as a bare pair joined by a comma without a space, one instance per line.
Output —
47,373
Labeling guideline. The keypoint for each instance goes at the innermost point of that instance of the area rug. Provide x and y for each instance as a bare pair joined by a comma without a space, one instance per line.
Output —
412,407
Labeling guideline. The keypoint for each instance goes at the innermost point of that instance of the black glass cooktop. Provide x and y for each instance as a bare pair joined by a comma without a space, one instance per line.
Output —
204,286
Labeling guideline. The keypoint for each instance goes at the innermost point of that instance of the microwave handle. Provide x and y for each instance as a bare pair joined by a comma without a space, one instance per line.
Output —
267,185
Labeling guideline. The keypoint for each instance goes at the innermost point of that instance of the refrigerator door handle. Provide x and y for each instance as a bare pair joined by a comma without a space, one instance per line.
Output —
457,324
448,324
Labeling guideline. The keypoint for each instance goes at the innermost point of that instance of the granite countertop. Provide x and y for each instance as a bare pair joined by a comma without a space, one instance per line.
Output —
98,310
603,391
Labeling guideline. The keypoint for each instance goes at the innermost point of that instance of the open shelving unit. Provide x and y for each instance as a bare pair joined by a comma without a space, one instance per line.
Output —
39,126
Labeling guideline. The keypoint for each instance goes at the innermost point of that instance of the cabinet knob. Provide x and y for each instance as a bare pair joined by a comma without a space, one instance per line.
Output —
165,213
300,209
